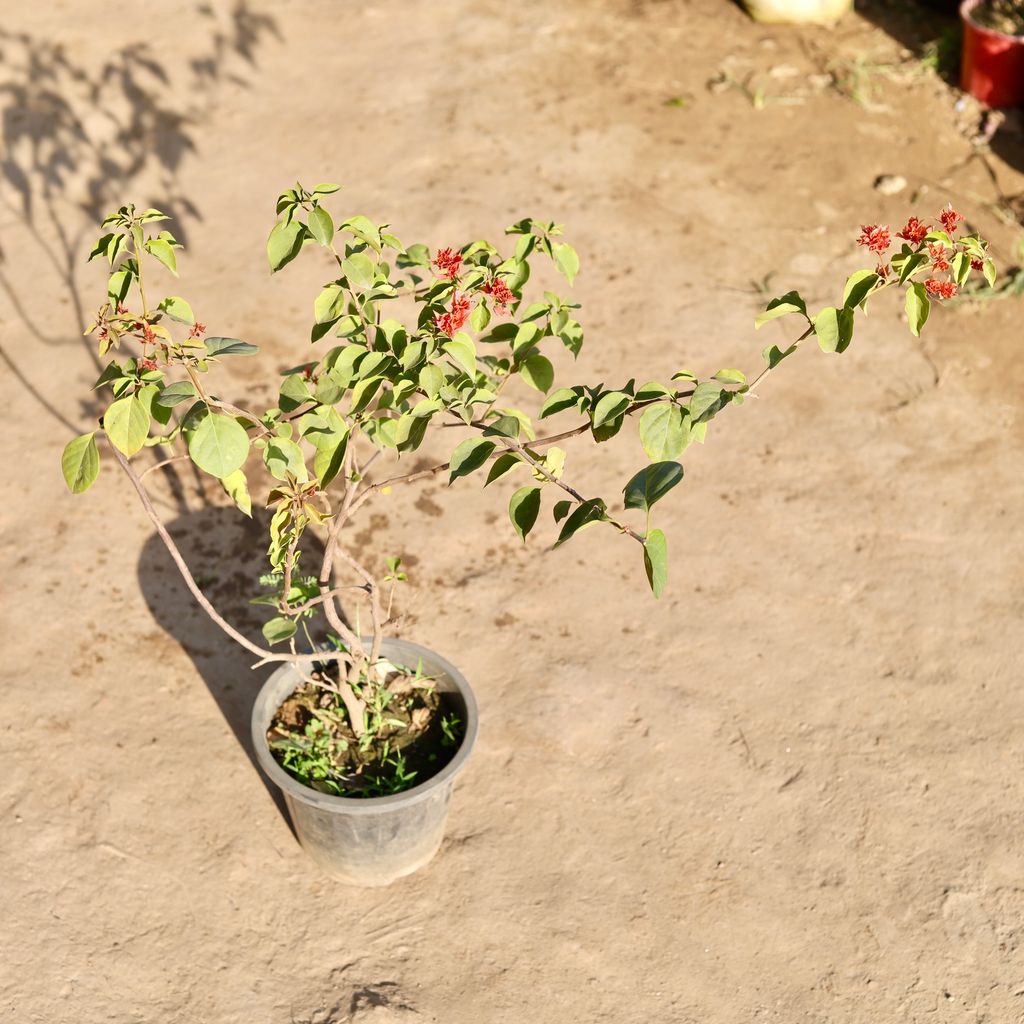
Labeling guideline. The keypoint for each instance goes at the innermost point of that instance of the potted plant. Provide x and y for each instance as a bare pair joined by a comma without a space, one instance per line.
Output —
992,66
366,733
798,11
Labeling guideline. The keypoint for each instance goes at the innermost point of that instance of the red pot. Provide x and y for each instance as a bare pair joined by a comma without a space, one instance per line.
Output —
992,69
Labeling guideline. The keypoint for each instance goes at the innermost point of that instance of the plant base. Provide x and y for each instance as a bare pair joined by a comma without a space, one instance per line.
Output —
370,841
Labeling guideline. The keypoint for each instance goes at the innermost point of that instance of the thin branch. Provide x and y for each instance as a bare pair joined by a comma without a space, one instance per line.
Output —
160,465
266,657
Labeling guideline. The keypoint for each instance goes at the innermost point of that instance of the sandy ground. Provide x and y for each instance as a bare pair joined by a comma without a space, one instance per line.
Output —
790,791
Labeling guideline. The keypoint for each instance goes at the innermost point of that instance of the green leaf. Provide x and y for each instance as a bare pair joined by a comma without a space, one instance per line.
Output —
523,510
663,431
566,260
364,228
917,306
989,270
538,372
773,355
431,380
834,328
359,269
788,303
911,265
563,398
329,304
656,561
586,514
321,227
325,189
284,244
117,286
294,392
501,465
328,462
651,484
283,456
279,629
525,338
164,252
609,407
238,490
469,456
561,510
480,318
178,309
463,351
961,268
127,424
731,377
80,463
704,400
229,346
858,287
218,445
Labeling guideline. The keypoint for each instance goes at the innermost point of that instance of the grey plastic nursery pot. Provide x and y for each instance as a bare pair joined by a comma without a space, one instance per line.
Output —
370,841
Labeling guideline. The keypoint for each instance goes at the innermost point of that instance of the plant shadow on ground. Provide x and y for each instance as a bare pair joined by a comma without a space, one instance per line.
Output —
78,139
227,553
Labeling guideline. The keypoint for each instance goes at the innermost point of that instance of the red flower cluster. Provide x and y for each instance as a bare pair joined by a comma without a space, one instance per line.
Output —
147,364
876,238
950,218
499,292
938,255
914,231
940,289
148,334
448,323
448,261
198,330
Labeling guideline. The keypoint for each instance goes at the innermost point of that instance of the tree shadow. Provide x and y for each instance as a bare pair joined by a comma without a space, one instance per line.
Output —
80,137
226,552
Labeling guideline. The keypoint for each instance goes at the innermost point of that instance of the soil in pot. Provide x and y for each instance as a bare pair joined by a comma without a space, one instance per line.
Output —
1006,16
415,732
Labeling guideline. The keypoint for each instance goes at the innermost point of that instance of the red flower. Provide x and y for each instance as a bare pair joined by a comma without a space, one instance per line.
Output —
147,364
950,218
938,255
500,293
448,262
121,309
977,264
876,238
448,323
148,335
882,270
940,289
914,231
197,330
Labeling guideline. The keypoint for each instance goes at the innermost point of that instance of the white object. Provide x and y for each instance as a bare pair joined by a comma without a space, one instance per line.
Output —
796,11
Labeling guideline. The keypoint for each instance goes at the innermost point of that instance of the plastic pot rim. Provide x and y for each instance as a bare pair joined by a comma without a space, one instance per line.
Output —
967,8
374,804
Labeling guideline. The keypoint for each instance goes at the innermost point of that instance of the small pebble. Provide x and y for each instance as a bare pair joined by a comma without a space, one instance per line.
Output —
890,184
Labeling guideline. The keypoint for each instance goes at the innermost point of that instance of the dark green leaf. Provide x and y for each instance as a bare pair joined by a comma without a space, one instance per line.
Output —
610,406
279,629
538,372
501,465
523,510
791,302
586,514
469,456
651,484
229,347
858,287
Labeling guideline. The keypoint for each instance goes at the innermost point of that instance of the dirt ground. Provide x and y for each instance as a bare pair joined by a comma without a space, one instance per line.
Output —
790,791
